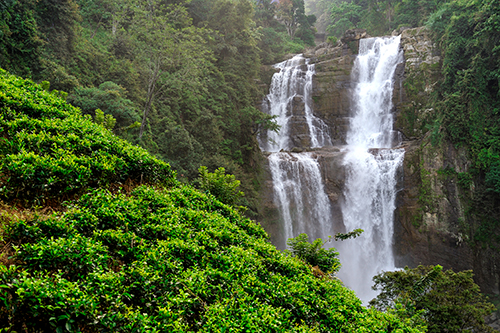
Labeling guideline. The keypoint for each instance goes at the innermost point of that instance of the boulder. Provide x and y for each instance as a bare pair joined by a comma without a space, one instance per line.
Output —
354,34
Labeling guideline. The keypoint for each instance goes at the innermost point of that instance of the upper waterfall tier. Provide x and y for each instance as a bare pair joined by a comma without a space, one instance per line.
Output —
290,100
372,122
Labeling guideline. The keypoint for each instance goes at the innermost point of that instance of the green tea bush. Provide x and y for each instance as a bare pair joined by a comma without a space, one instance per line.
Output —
224,187
163,260
78,255
49,151
43,303
314,253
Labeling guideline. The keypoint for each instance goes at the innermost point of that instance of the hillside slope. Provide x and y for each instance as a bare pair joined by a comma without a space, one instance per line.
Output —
123,256
51,152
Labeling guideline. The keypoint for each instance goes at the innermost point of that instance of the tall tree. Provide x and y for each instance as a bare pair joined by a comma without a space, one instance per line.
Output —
344,16
172,49
292,14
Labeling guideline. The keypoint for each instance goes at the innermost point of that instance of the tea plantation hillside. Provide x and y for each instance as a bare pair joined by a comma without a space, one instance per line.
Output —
50,152
96,235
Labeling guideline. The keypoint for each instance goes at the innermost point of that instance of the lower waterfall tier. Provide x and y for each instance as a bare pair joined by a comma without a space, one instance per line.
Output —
306,214
370,200
298,197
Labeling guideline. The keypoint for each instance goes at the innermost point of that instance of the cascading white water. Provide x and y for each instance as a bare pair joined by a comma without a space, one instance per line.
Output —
299,192
297,182
371,166
293,79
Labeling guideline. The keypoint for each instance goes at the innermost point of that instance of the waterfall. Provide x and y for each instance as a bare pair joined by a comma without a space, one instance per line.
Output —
371,166
297,183
370,161
299,192
293,81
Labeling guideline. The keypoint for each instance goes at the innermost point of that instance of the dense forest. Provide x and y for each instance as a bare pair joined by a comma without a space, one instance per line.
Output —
180,78
109,110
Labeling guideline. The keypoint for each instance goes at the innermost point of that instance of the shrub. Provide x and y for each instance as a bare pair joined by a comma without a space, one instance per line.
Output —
314,253
447,301
224,187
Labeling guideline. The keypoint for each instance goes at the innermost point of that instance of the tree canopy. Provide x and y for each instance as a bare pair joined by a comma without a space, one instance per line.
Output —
188,71
448,301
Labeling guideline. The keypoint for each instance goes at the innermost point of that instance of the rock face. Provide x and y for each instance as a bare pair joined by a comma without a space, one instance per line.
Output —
298,127
431,222
354,35
427,230
331,89
428,208
332,84
416,79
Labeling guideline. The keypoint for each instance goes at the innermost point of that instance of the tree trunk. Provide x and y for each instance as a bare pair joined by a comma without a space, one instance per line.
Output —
153,79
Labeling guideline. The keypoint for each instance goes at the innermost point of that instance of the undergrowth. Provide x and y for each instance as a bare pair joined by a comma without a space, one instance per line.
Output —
165,260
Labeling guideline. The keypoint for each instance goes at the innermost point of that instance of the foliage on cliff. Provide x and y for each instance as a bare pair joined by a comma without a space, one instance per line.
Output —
469,107
162,257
